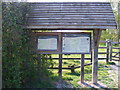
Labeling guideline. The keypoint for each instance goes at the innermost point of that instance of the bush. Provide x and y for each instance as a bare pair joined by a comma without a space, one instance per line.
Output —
19,64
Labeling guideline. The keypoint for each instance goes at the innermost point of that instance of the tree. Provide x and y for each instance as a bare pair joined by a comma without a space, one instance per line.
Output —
19,62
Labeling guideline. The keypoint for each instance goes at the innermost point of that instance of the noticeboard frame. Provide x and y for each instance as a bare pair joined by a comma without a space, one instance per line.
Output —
59,42
90,48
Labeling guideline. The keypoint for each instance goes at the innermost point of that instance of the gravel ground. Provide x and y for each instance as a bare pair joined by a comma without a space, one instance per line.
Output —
113,74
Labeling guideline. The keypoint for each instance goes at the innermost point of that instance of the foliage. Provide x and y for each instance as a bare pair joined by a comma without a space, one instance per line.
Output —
109,34
13,43
19,61
112,34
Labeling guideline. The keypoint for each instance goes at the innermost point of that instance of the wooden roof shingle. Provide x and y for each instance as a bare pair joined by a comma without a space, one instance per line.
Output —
71,15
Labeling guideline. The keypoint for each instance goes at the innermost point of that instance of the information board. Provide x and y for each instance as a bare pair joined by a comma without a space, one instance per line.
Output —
76,43
47,43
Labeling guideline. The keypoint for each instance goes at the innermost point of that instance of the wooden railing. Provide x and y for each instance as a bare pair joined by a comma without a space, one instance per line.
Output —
109,52
112,53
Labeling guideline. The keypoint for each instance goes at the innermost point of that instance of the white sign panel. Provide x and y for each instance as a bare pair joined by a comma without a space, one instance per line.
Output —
47,42
76,43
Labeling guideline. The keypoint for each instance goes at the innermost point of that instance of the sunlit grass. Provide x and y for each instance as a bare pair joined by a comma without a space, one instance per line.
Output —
74,78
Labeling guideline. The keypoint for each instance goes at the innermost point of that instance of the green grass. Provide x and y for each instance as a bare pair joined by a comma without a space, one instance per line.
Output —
74,78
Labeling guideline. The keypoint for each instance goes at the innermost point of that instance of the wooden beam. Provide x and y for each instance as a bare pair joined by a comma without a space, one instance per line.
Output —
70,13
96,38
68,27
108,45
82,68
60,70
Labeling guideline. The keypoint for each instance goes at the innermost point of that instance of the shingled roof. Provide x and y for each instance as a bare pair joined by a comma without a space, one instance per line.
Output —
71,15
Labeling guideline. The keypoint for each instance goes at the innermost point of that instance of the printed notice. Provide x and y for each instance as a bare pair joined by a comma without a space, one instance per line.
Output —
76,44
47,42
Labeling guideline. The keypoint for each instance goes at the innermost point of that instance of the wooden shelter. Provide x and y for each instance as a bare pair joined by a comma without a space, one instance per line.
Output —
95,16
71,15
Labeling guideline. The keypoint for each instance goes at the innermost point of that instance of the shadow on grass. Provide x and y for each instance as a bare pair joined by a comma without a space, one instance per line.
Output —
76,74
92,86
111,63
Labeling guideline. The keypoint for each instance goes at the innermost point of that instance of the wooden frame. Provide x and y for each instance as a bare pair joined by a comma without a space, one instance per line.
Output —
59,42
37,34
78,33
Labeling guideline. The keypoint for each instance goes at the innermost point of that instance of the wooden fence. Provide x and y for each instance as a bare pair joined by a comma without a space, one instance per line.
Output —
111,53
112,50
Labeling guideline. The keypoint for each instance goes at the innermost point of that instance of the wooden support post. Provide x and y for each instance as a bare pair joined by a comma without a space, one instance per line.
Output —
91,57
110,50
72,69
82,68
119,42
39,67
60,70
96,38
108,46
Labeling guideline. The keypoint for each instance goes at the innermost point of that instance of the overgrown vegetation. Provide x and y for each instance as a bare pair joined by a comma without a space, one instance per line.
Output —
20,64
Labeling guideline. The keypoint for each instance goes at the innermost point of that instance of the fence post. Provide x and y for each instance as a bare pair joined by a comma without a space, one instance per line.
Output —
82,68
73,69
108,47
60,71
110,50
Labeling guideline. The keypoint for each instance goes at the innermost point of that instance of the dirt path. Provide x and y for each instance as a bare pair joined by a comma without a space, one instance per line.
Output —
113,74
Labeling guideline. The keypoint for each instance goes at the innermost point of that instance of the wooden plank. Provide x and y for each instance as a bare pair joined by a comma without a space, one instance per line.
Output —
102,52
74,18
45,5
96,38
115,48
92,13
82,68
102,47
68,2
83,11
66,16
73,21
115,59
114,42
103,41
71,9
77,20
114,52
79,15
71,4
70,67
68,27
74,24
